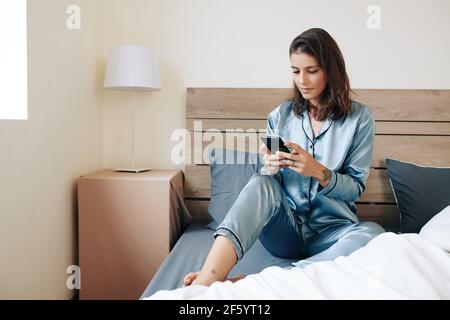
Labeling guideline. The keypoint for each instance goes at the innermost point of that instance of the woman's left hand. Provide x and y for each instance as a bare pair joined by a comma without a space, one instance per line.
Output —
299,160
303,163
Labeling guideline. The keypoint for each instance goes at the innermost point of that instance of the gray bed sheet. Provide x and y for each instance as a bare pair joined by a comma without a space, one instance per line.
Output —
190,252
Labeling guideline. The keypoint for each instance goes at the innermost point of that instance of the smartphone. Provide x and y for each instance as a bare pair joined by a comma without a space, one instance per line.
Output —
274,144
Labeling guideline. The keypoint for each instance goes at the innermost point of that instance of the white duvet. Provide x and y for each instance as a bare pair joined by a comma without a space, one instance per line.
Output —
391,266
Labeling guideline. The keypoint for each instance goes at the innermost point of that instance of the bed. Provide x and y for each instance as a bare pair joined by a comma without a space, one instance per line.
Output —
391,266
406,121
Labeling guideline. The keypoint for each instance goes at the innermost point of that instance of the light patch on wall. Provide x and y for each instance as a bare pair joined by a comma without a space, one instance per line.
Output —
13,60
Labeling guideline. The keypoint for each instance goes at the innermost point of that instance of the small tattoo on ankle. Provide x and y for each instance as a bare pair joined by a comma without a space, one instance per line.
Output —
213,271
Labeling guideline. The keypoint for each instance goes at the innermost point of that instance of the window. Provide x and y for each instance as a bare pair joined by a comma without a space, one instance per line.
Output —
13,60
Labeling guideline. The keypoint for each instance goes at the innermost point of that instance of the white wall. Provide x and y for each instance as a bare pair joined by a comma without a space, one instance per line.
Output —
41,158
234,43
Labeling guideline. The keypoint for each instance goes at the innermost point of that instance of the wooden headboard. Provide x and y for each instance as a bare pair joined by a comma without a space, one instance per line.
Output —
411,125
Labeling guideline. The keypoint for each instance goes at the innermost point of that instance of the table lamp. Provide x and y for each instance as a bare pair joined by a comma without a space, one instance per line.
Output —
132,68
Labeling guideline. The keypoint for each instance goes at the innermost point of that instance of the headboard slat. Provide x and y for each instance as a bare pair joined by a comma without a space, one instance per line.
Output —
382,127
420,149
198,185
387,105
386,215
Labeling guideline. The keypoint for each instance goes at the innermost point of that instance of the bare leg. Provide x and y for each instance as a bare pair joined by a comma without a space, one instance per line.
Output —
219,262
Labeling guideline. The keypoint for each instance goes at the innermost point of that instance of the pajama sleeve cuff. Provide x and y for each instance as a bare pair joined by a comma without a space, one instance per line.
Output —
330,187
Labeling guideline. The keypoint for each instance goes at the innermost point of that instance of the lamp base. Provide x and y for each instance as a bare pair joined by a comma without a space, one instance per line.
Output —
139,170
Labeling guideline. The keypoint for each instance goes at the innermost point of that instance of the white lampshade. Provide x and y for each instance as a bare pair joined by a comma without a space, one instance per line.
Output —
132,68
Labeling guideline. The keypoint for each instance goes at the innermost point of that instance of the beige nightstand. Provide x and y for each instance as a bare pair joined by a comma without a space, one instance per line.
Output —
128,223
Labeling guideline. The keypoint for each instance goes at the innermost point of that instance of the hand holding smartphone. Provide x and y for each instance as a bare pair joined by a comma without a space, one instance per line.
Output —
274,143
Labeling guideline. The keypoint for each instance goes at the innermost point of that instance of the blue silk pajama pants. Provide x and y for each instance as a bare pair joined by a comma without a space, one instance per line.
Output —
262,211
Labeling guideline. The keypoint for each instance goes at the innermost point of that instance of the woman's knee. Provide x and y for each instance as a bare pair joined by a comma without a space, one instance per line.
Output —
362,232
371,228
264,180
267,186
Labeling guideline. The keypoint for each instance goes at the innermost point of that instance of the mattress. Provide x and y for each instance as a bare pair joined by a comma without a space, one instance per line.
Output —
190,252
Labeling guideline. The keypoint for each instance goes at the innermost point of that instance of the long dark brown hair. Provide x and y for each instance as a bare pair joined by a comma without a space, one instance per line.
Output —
335,100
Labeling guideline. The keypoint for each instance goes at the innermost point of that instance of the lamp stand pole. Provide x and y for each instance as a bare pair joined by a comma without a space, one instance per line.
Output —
133,169
133,130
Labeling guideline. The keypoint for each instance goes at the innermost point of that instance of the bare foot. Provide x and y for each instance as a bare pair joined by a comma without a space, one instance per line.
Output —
235,279
206,278
189,278
193,278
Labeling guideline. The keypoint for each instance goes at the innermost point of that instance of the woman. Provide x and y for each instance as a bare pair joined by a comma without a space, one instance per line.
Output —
303,204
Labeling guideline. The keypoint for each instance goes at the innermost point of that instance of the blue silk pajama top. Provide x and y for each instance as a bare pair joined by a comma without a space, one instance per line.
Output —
344,146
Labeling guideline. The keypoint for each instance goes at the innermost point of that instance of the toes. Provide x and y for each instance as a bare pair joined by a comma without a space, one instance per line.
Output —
189,278
235,279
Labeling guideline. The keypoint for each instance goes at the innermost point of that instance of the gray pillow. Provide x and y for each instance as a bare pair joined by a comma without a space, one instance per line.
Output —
421,192
230,172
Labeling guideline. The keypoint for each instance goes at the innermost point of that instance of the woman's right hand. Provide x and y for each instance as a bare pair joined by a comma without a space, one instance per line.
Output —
271,162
